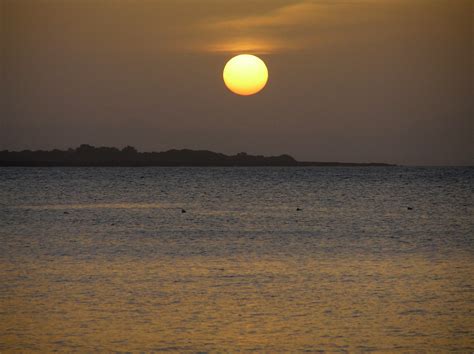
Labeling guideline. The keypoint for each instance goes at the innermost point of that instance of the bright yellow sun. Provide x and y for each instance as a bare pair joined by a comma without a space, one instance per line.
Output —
245,74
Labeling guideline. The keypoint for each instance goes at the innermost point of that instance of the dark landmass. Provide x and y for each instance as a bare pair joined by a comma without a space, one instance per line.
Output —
87,155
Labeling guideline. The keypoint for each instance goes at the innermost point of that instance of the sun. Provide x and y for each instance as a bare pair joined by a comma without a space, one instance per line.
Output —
245,74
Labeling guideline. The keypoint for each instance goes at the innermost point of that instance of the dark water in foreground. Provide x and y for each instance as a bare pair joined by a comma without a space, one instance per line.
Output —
103,259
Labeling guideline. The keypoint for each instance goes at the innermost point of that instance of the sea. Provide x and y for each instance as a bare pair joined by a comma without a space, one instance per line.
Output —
263,259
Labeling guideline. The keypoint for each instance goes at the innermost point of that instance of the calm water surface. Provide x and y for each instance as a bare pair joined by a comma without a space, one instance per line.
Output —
103,259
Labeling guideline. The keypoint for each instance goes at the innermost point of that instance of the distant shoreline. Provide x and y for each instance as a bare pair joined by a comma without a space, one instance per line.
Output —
90,156
177,164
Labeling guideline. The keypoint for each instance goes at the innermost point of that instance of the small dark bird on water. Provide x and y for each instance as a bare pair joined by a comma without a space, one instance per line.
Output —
183,211
298,209
66,212
409,208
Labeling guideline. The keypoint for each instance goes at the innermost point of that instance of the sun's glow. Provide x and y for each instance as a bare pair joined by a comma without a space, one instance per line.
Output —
245,74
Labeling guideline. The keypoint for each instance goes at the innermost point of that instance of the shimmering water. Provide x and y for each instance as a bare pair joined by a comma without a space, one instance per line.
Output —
103,259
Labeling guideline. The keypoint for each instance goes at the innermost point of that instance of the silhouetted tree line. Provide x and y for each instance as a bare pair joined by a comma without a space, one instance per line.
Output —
87,155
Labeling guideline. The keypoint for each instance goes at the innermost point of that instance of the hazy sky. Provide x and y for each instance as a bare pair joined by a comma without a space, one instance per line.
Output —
349,80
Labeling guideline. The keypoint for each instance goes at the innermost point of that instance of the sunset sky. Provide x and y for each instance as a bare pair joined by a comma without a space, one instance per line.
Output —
349,80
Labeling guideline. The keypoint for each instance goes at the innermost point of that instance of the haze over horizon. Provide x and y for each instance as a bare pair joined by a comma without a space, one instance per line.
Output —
351,81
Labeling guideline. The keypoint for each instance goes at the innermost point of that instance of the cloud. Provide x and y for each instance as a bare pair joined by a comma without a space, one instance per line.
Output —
259,33
289,15
294,26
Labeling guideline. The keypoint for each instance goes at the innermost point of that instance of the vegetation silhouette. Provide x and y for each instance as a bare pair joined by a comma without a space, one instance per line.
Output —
87,155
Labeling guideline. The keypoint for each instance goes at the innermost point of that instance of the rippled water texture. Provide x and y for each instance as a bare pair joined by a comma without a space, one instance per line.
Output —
104,259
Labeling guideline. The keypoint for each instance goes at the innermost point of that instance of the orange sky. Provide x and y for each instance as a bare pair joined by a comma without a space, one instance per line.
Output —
353,80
